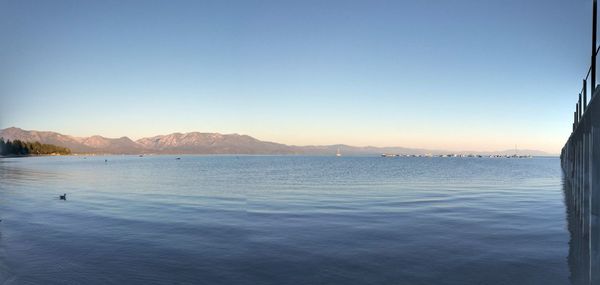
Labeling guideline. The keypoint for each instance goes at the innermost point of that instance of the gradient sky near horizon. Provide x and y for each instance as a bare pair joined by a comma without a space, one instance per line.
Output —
455,75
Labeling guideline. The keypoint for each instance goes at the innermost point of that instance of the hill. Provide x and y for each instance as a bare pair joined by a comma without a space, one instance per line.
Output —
208,143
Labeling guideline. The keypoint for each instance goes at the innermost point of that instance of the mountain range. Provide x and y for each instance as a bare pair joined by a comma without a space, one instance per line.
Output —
209,143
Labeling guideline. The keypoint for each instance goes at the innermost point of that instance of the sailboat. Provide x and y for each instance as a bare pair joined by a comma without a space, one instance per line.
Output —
338,152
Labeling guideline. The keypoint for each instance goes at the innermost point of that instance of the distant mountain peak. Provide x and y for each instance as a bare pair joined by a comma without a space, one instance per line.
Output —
206,143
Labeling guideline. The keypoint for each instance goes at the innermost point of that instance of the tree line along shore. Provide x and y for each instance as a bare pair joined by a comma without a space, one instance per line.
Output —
21,148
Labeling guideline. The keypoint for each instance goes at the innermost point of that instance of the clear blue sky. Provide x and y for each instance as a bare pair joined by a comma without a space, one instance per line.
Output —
457,75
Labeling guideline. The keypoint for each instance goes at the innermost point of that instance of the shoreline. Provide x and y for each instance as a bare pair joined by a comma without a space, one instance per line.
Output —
32,155
266,154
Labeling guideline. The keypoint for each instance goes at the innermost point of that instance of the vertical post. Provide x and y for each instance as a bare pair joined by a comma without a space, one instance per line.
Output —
594,24
584,95
580,107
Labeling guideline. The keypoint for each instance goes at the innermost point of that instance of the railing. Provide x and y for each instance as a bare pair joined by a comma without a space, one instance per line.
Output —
582,103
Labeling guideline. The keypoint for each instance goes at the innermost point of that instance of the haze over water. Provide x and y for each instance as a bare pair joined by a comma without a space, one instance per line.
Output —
282,220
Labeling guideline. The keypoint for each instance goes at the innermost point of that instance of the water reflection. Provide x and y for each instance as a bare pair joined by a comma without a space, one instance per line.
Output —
12,174
583,260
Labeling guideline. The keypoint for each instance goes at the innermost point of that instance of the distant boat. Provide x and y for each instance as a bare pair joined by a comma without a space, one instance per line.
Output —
389,155
141,155
338,152
178,158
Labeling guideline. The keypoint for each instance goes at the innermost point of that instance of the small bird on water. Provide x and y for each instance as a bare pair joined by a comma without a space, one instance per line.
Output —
63,197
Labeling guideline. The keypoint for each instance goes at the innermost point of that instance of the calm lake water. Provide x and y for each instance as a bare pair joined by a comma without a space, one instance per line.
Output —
282,220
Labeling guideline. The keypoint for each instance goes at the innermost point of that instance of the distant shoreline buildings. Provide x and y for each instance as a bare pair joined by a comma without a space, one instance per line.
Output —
456,155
